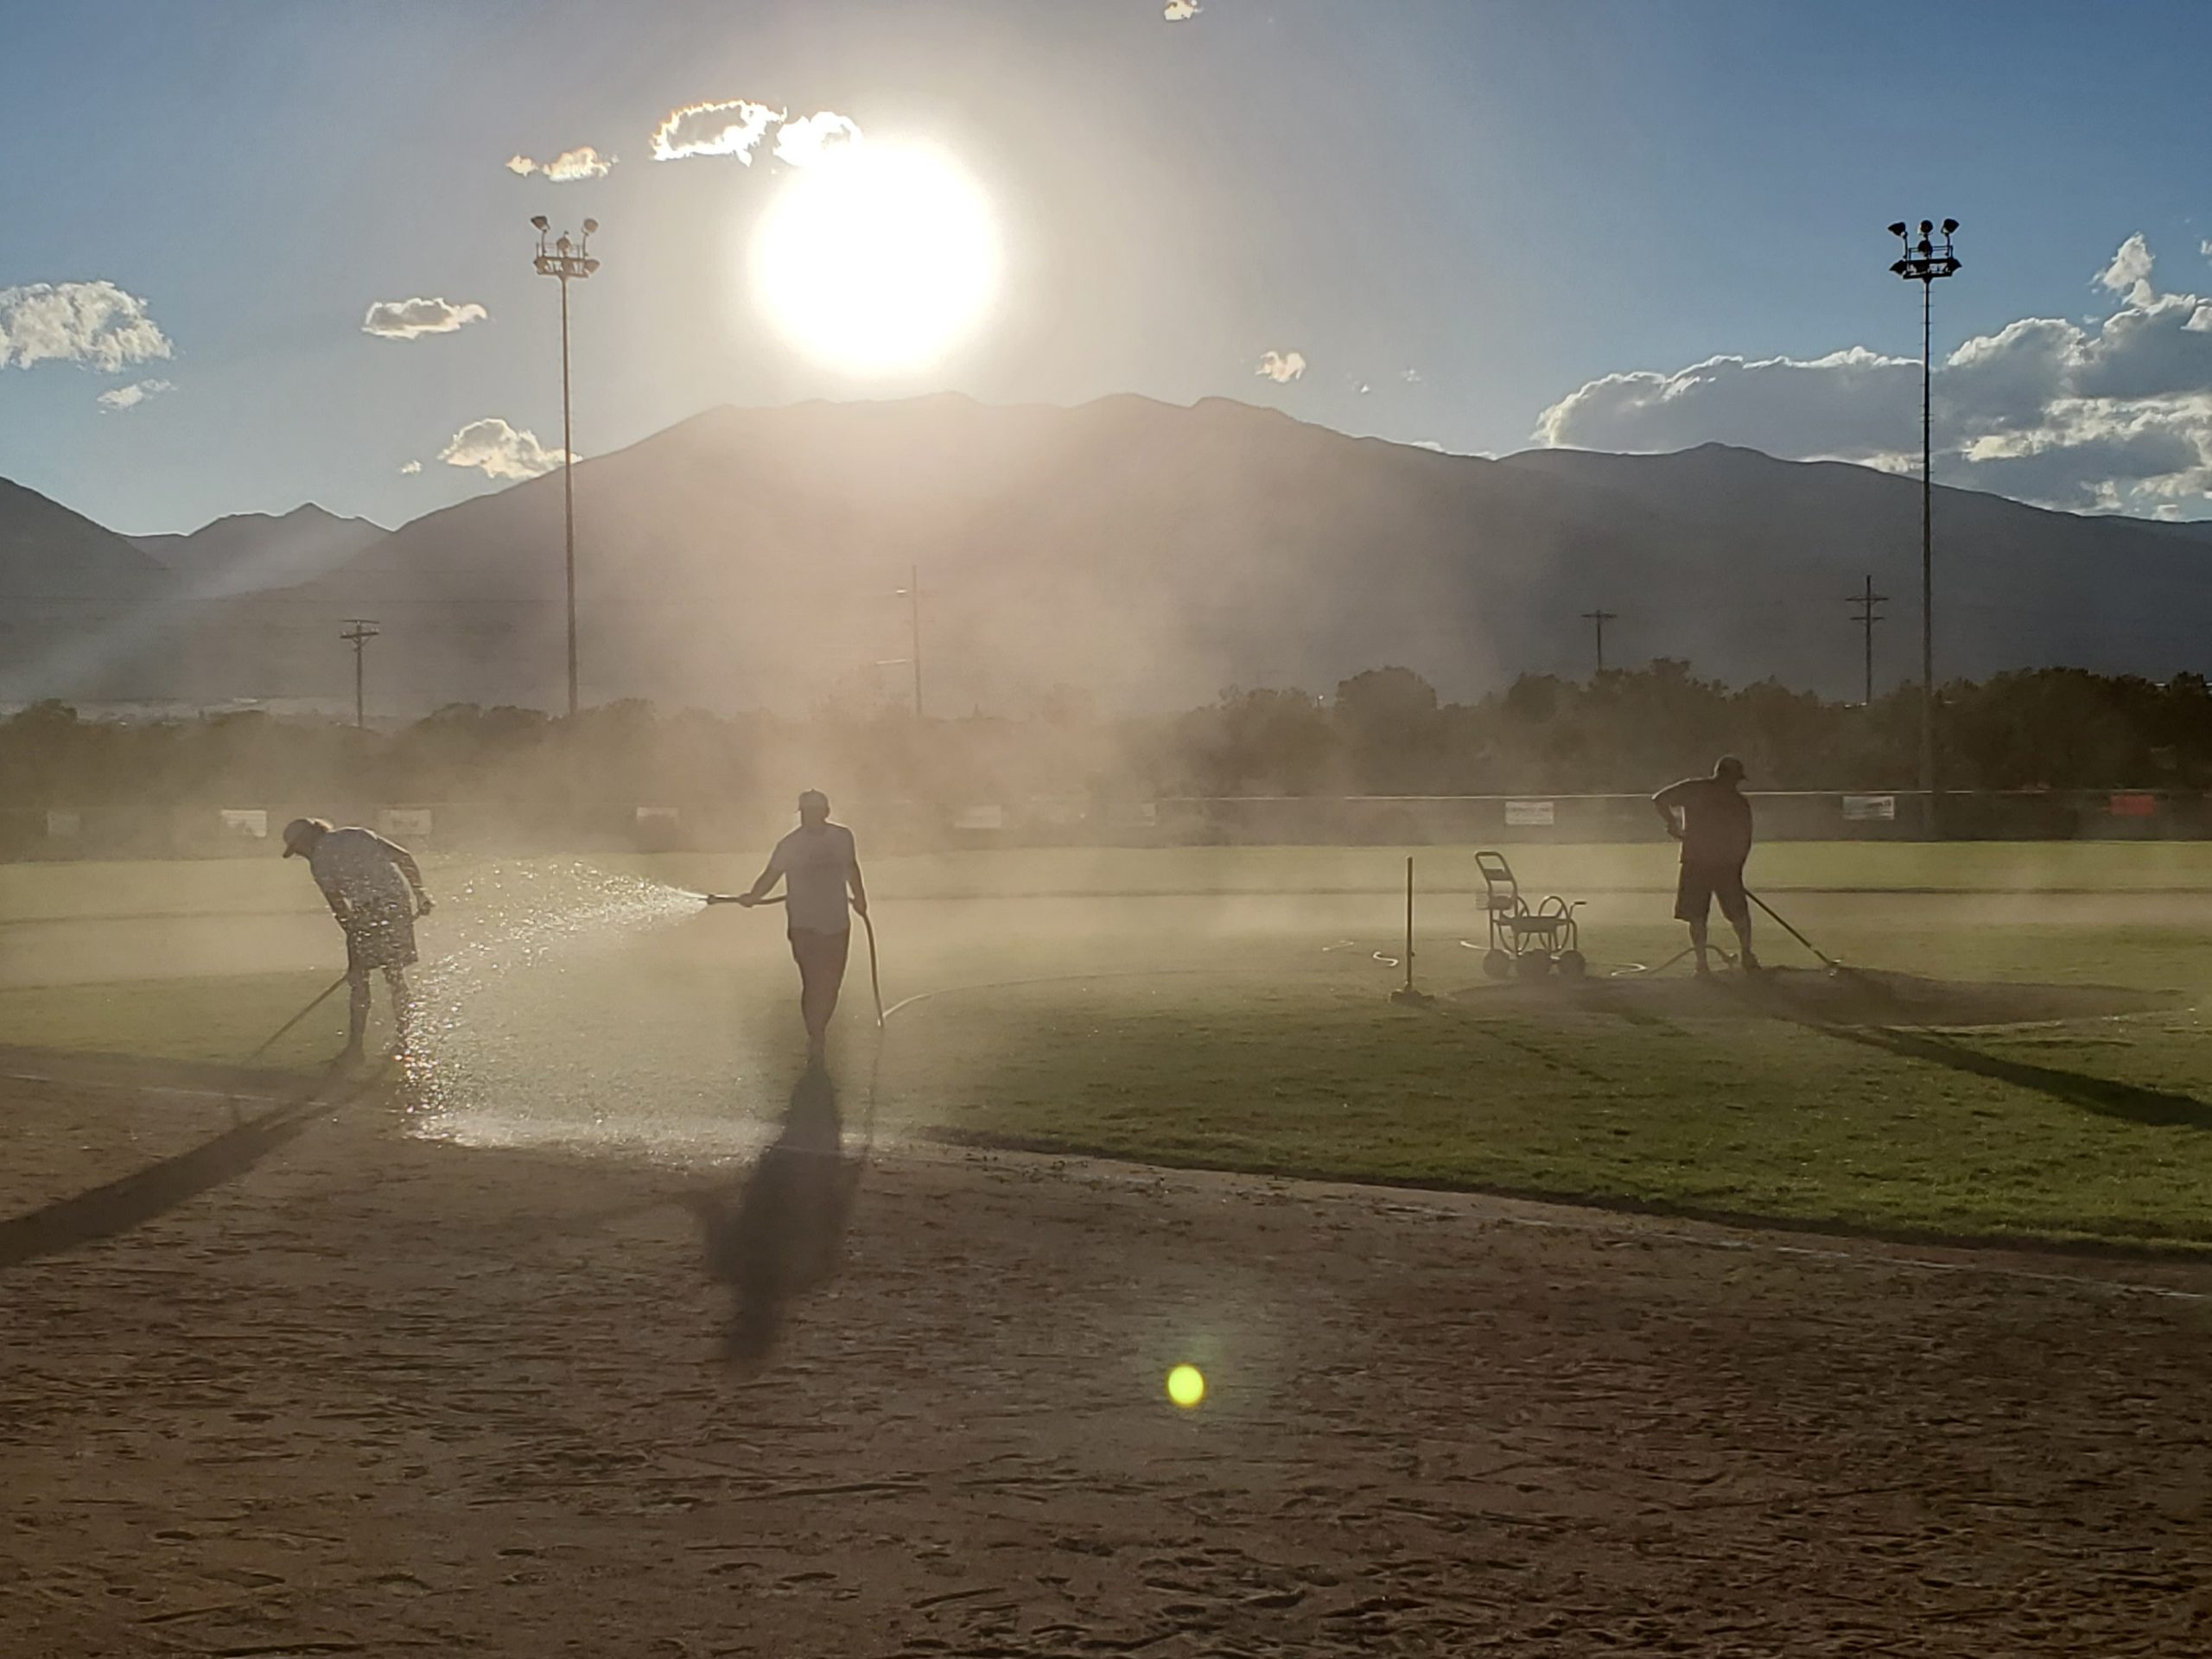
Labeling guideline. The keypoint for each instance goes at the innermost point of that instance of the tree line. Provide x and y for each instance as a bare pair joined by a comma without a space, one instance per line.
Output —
1384,732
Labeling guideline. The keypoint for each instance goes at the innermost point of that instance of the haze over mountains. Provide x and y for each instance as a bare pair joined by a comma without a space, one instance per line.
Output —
245,552
1148,555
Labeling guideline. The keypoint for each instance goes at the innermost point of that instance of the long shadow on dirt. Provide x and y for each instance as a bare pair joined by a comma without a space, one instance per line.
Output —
141,1197
780,1232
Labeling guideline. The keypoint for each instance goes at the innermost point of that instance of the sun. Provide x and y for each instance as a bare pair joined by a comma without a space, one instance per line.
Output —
878,259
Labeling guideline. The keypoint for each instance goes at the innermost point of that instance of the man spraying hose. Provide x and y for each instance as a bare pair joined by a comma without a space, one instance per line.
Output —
819,867
1712,819
375,889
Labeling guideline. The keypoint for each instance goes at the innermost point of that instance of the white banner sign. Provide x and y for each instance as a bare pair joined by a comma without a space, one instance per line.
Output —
981,818
407,820
248,823
64,826
663,816
1531,812
1861,809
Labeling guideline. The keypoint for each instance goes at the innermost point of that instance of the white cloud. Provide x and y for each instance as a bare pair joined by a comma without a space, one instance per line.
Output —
2129,274
1282,367
410,469
498,450
94,323
813,137
730,129
583,162
129,397
567,167
2117,415
412,319
1181,11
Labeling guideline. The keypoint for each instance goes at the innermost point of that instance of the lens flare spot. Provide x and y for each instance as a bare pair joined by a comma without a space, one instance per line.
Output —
1186,1386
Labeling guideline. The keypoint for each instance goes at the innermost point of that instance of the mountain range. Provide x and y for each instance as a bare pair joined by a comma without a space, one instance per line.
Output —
1146,553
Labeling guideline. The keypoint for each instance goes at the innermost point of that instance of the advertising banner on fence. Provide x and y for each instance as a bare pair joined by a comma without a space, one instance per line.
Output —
406,823
247,822
1531,813
1865,809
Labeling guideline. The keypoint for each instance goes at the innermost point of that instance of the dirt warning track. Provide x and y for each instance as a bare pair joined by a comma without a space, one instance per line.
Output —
371,1395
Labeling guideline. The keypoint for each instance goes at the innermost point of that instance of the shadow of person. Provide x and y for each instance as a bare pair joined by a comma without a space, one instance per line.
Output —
780,1232
2131,1102
2134,1102
119,1206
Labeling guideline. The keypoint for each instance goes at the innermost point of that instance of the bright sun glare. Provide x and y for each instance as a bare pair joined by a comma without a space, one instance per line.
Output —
878,259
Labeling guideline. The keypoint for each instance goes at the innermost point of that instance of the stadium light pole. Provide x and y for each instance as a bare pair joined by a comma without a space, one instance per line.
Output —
1924,262
570,261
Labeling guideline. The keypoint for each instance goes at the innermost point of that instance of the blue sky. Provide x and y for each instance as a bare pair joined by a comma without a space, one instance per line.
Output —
1562,207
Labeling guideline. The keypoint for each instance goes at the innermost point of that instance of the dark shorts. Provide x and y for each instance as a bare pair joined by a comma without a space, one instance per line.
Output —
822,969
1701,884
380,936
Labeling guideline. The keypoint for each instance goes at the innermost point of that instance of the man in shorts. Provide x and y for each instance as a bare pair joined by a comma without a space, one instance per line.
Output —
1712,819
375,890
821,872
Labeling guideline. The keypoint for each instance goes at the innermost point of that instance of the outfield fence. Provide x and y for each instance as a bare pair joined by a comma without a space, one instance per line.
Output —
247,828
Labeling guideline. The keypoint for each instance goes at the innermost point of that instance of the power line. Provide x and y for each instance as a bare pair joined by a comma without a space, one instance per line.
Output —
360,630
1867,617
1600,618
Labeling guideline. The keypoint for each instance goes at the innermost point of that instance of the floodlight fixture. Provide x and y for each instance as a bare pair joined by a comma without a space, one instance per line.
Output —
564,258
1925,264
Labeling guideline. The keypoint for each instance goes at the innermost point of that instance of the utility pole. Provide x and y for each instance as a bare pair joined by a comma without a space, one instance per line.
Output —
570,261
1867,617
912,593
1924,262
360,630
1600,618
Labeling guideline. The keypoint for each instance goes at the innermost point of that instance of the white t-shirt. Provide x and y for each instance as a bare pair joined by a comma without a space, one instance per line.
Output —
814,864
356,865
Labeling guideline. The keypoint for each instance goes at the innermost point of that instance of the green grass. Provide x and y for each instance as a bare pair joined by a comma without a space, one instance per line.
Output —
1226,1032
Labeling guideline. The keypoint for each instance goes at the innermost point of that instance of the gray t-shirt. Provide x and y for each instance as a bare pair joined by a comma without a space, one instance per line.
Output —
357,865
814,864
